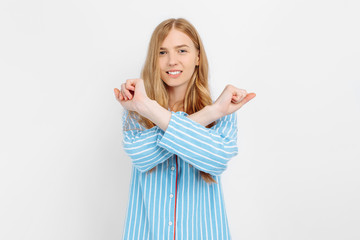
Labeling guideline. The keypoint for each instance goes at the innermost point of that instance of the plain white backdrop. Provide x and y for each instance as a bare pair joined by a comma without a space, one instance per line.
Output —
63,172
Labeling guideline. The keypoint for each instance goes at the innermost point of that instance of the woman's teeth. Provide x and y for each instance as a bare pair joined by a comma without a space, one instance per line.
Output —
174,73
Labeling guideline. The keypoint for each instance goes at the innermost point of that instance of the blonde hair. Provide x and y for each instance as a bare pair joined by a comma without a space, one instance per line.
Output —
197,95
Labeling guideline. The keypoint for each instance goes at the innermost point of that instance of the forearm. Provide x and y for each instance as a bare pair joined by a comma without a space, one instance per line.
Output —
206,115
153,111
161,116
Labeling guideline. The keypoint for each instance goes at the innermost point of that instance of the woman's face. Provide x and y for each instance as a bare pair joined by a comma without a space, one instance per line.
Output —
177,59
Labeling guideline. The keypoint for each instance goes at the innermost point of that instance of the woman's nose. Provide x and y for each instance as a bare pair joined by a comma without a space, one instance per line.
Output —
172,60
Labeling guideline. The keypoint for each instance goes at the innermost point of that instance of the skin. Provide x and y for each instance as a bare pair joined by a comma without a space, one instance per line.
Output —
178,53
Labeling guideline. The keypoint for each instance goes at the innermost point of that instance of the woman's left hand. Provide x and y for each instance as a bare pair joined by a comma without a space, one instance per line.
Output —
232,99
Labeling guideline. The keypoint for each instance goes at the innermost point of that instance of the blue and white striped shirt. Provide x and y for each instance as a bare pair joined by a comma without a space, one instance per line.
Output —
173,201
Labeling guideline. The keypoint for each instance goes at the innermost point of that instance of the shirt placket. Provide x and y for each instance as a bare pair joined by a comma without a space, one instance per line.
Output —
173,194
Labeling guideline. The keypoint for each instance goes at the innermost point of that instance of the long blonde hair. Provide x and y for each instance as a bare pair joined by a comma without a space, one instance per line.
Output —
197,95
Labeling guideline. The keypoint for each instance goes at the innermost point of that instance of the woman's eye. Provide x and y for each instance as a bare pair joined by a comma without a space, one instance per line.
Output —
182,51
162,52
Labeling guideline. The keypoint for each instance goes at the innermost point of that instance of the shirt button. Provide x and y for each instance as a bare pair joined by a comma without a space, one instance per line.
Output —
172,168
170,223
171,195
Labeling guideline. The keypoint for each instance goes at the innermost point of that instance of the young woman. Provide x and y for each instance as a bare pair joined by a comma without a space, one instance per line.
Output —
178,139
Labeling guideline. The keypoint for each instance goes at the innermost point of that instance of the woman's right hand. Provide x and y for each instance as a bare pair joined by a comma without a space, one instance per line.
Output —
132,94
133,97
232,99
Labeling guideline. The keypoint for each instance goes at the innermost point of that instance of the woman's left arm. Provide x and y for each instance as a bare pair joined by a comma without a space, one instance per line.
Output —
207,149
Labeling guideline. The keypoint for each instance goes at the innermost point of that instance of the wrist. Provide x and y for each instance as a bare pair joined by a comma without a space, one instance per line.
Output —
215,111
153,111
145,107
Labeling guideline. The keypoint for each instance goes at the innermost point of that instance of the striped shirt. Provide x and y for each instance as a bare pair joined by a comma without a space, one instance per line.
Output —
173,201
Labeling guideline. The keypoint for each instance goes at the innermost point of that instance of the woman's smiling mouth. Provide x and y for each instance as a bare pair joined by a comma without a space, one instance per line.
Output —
174,74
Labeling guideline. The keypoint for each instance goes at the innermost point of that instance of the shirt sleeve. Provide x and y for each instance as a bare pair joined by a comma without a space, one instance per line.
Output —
141,144
207,149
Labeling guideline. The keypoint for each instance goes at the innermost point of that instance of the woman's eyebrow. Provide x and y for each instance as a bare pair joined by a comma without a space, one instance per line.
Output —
179,46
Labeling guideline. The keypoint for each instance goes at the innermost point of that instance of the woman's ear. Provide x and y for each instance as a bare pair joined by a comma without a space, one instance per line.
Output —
198,59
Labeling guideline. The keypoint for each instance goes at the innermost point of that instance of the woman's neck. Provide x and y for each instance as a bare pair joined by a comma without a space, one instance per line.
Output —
179,106
176,99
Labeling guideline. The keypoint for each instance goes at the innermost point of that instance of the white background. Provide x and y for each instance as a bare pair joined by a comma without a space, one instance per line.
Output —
63,172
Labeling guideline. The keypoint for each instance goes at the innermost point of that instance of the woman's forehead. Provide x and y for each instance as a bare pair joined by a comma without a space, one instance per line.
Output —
176,38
